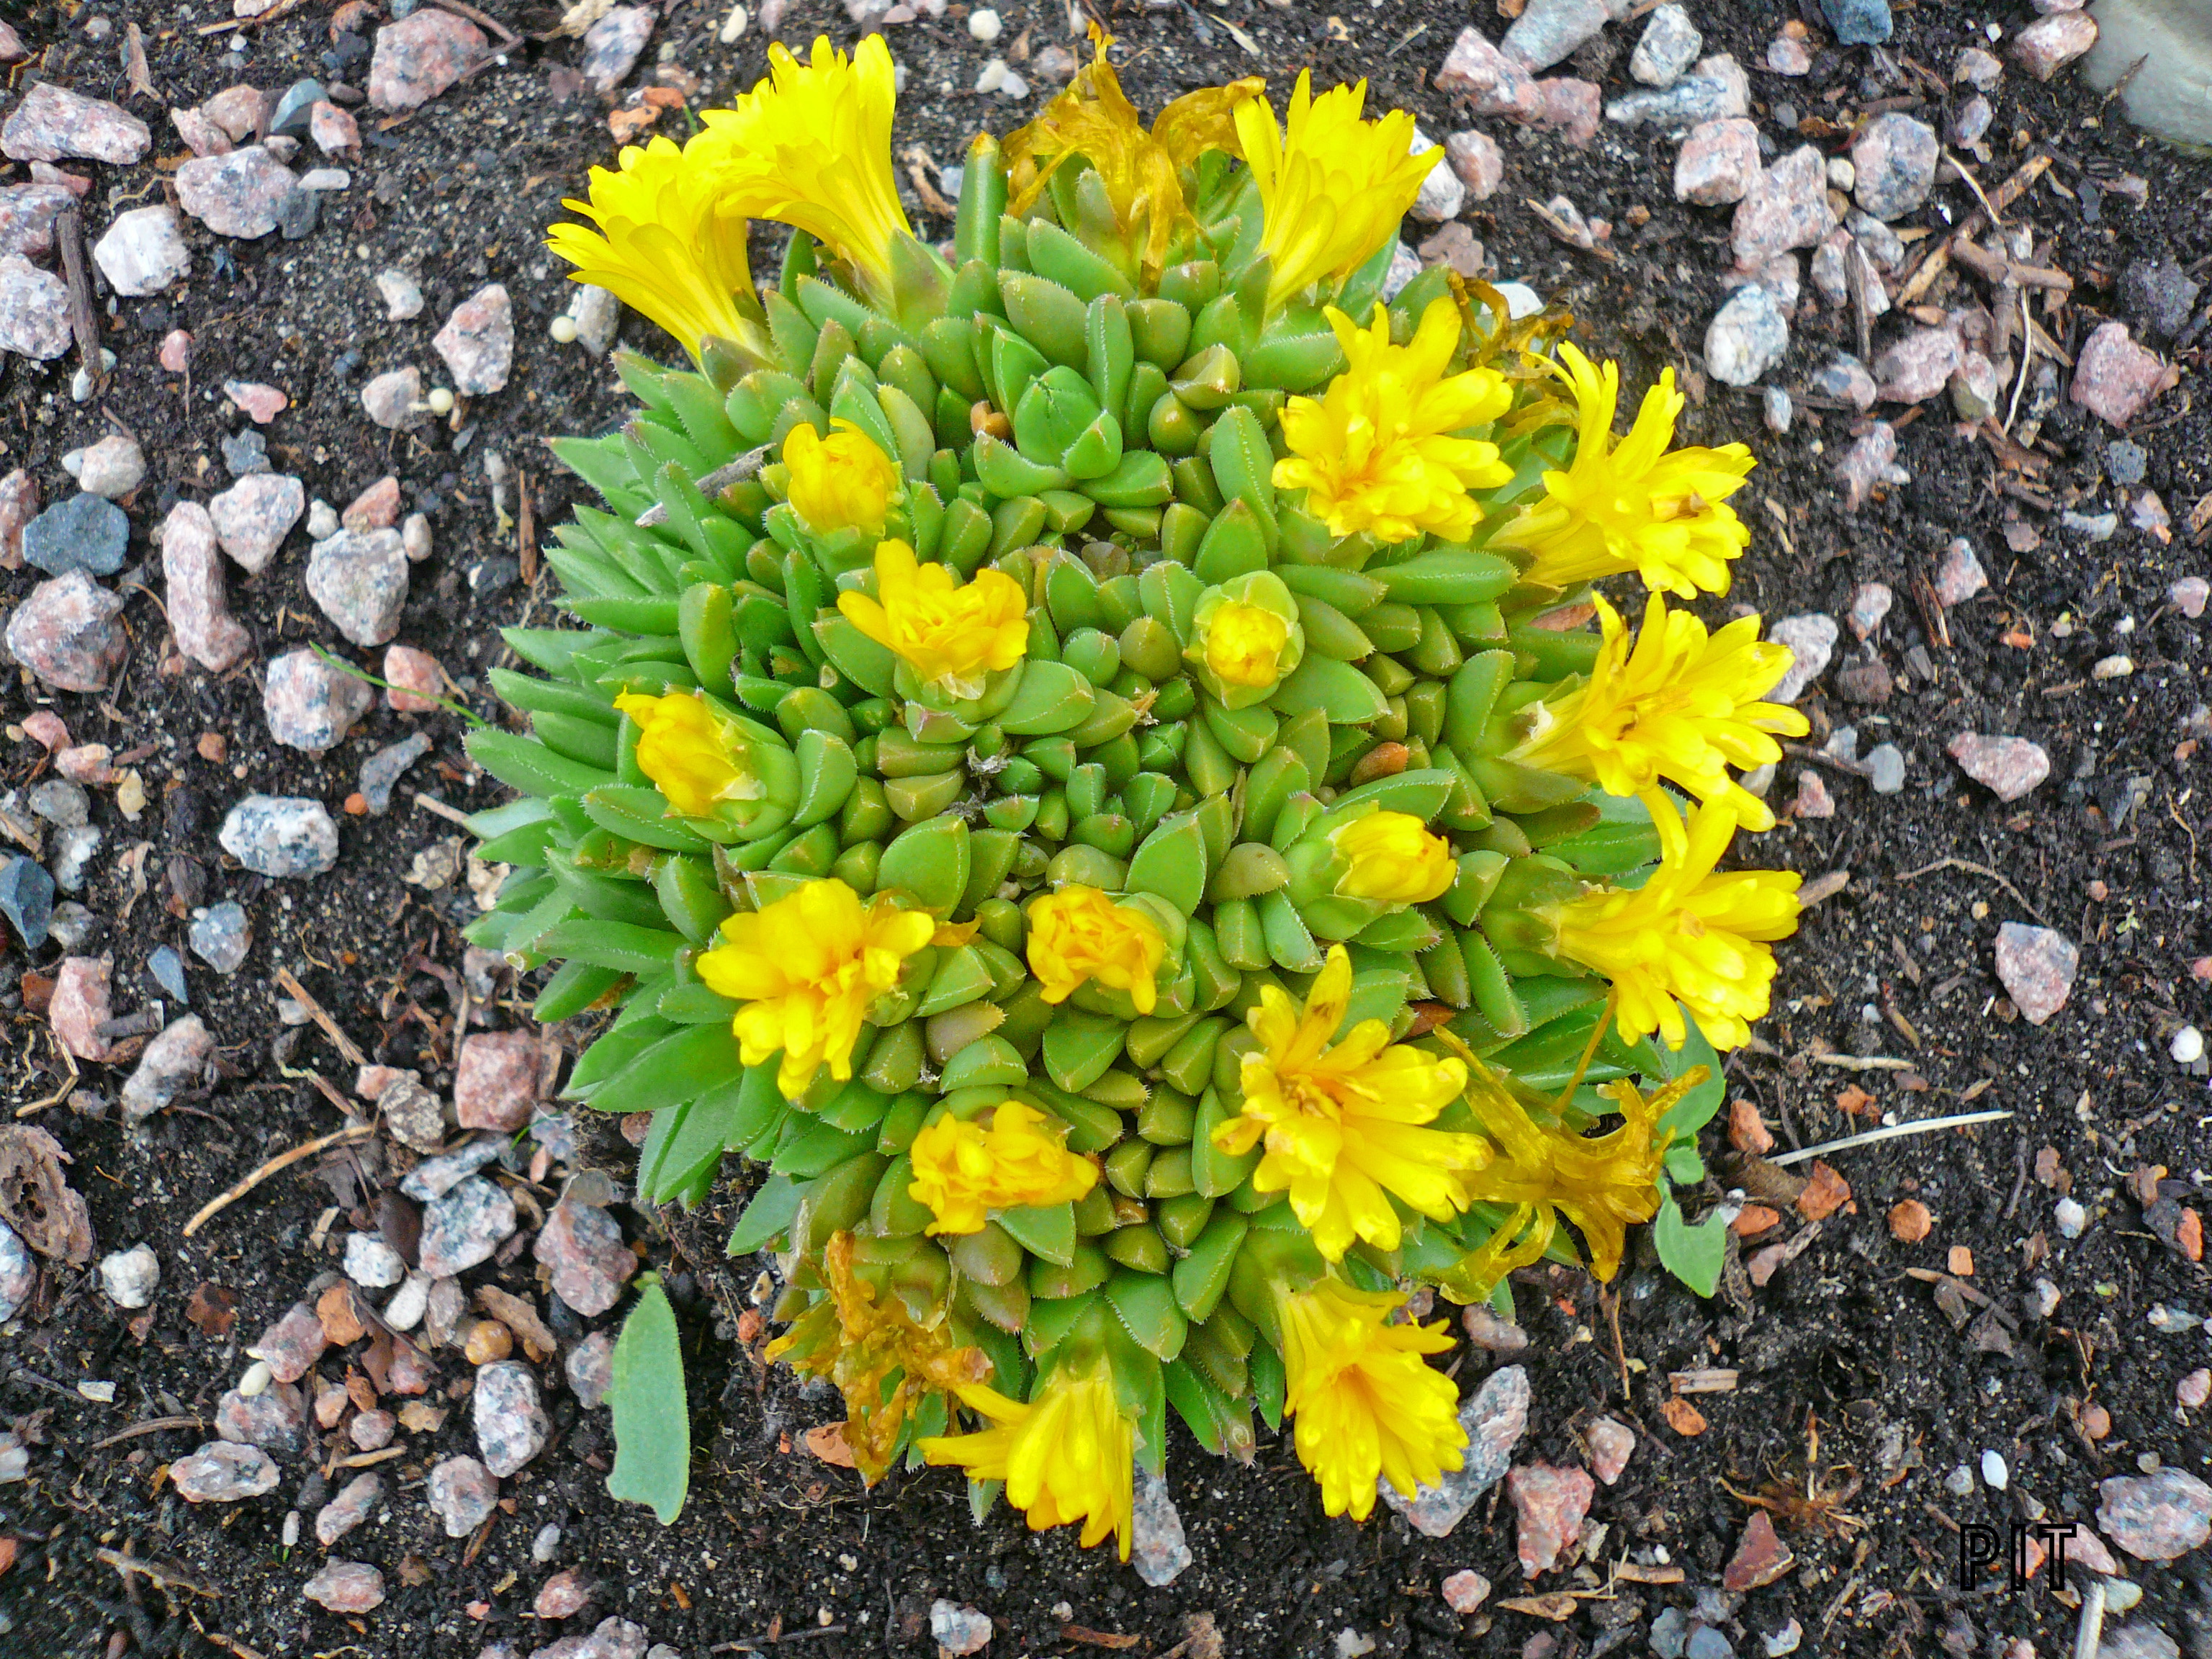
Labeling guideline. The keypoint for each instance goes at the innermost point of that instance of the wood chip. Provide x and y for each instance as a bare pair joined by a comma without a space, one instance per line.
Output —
519,1317
1711,1380
1822,887
1556,1606
1683,1418
1098,1638
1635,1572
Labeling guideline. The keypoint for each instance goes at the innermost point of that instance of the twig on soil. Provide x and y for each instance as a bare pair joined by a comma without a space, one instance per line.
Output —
299,994
761,1644
1888,1132
153,1425
1979,869
167,1577
58,1095
1929,1276
69,241
351,1133
2091,1634
432,804
269,16
1862,1062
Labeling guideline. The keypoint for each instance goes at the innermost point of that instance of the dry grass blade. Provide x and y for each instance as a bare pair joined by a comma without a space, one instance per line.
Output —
215,1205
299,994
167,1577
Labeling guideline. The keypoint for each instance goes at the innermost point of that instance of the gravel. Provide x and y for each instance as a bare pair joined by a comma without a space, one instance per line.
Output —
130,1277
511,1427
281,835
221,1472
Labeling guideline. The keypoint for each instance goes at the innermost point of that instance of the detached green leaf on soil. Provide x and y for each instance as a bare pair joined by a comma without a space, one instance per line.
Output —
653,1418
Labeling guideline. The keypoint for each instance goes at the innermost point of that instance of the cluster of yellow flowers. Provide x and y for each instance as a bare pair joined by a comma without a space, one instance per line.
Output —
1360,1133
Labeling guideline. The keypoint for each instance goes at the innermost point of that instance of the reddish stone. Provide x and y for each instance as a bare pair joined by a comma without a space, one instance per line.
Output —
376,508
335,132
422,55
495,1081
2114,378
291,1346
52,122
414,680
19,505
1549,1504
199,603
263,403
80,1006
1747,1132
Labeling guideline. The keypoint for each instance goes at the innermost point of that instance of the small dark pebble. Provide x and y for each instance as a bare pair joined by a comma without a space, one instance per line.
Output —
167,968
495,574
296,214
246,451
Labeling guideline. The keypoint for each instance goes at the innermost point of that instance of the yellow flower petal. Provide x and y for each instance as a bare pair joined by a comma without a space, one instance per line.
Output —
694,758
811,146
1080,934
1634,507
1394,860
1366,1405
1687,938
1681,706
963,1171
807,968
1375,454
843,482
669,245
1343,1125
951,635
1067,1456
1333,187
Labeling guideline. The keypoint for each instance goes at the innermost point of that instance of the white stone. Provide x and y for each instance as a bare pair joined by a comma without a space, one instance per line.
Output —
130,1276
144,251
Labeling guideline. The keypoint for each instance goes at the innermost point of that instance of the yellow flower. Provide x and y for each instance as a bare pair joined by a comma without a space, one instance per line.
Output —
1367,1407
1687,937
1374,452
668,245
1634,505
1603,1184
950,635
1067,1456
1335,188
1245,636
1141,171
1079,933
1394,860
843,482
1682,705
859,1337
961,1171
811,146
1342,1124
694,757
807,968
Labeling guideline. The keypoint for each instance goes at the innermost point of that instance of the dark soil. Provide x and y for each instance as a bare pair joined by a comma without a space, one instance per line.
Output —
776,1542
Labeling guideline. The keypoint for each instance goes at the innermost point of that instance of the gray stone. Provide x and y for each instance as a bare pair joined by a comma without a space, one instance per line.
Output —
416,1119
394,400
511,1427
2037,966
114,467
281,835
172,1063
295,106
2156,1517
402,296
1718,162
348,1510
297,212
1885,769
371,1263
253,516
1494,1418
27,213
1895,157
462,1495
420,56
591,1368
384,769
144,251
27,898
1959,574
1858,23
221,936
358,579
85,532
1776,410
1716,90
1811,639
53,124
463,1227
312,705
477,342
2158,297
1442,194
1844,378
276,1420
130,1276
246,453
1918,367
222,1473
2008,767
346,1587
62,803
1157,1548
239,194
1786,207
1549,30
1670,44
18,1273
199,600
35,315
597,313
434,1177
167,968
1971,119
956,1629
70,861
1747,337
582,1247
611,45
1870,603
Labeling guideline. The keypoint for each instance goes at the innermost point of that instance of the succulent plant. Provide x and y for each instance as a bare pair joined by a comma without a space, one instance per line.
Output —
1086,768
